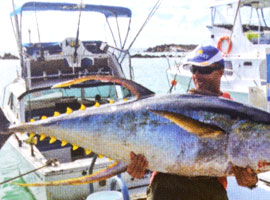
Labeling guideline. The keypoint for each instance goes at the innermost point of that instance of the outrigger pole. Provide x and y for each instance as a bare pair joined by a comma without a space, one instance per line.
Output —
18,36
77,37
152,12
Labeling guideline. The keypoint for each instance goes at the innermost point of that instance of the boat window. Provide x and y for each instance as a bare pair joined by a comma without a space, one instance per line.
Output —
247,63
10,101
46,102
186,67
253,21
223,15
13,104
106,91
259,38
228,71
6,97
51,97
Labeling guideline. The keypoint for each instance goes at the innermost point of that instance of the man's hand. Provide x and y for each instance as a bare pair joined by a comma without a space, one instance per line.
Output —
137,165
245,176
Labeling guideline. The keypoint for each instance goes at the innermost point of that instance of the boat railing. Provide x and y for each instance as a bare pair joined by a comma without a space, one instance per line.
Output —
59,69
53,60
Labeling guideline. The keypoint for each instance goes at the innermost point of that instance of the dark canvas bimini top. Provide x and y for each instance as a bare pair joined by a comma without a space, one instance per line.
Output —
108,11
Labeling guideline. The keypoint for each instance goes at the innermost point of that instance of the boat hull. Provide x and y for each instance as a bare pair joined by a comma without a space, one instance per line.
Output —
67,170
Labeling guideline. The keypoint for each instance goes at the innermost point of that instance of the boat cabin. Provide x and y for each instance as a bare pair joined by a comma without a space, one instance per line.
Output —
44,64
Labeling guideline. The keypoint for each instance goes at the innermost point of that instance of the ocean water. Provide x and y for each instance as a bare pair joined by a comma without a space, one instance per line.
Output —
9,162
150,72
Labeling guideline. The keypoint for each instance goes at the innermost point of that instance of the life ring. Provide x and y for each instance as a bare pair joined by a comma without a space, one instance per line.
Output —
220,41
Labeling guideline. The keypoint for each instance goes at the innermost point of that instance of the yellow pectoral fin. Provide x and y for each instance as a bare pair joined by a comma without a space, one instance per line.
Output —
112,170
191,125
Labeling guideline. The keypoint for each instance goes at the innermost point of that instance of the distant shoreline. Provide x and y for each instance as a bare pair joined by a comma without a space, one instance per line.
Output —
8,56
172,48
164,48
138,55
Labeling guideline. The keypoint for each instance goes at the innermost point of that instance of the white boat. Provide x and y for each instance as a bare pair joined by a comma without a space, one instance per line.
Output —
30,97
245,64
242,34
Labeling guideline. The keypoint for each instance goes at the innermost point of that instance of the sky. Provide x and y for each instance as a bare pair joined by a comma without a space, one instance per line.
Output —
175,21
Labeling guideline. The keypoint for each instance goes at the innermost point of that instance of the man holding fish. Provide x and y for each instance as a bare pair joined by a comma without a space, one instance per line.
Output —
207,67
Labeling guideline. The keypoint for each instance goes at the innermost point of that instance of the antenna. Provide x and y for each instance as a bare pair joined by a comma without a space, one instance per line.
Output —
77,36
29,32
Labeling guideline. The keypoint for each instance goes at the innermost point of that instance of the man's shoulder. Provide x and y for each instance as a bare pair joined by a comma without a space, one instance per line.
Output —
202,92
207,93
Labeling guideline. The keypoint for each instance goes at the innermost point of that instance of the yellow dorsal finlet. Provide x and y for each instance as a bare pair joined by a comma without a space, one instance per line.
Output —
87,152
193,126
82,107
31,135
31,141
42,136
69,110
43,117
32,120
52,140
75,147
64,143
100,156
97,104
55,114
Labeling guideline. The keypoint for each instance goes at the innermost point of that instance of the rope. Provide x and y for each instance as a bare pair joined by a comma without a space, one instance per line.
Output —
49,162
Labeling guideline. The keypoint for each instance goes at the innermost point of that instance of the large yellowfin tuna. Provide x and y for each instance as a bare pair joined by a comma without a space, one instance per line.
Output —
189,135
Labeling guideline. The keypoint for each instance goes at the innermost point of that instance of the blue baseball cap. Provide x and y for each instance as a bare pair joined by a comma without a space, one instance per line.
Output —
204,56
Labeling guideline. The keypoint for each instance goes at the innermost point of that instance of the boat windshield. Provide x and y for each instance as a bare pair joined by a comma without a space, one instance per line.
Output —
46,102
78,93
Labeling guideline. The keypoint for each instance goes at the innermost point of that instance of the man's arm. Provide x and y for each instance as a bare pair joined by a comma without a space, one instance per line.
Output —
244,176
137,165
